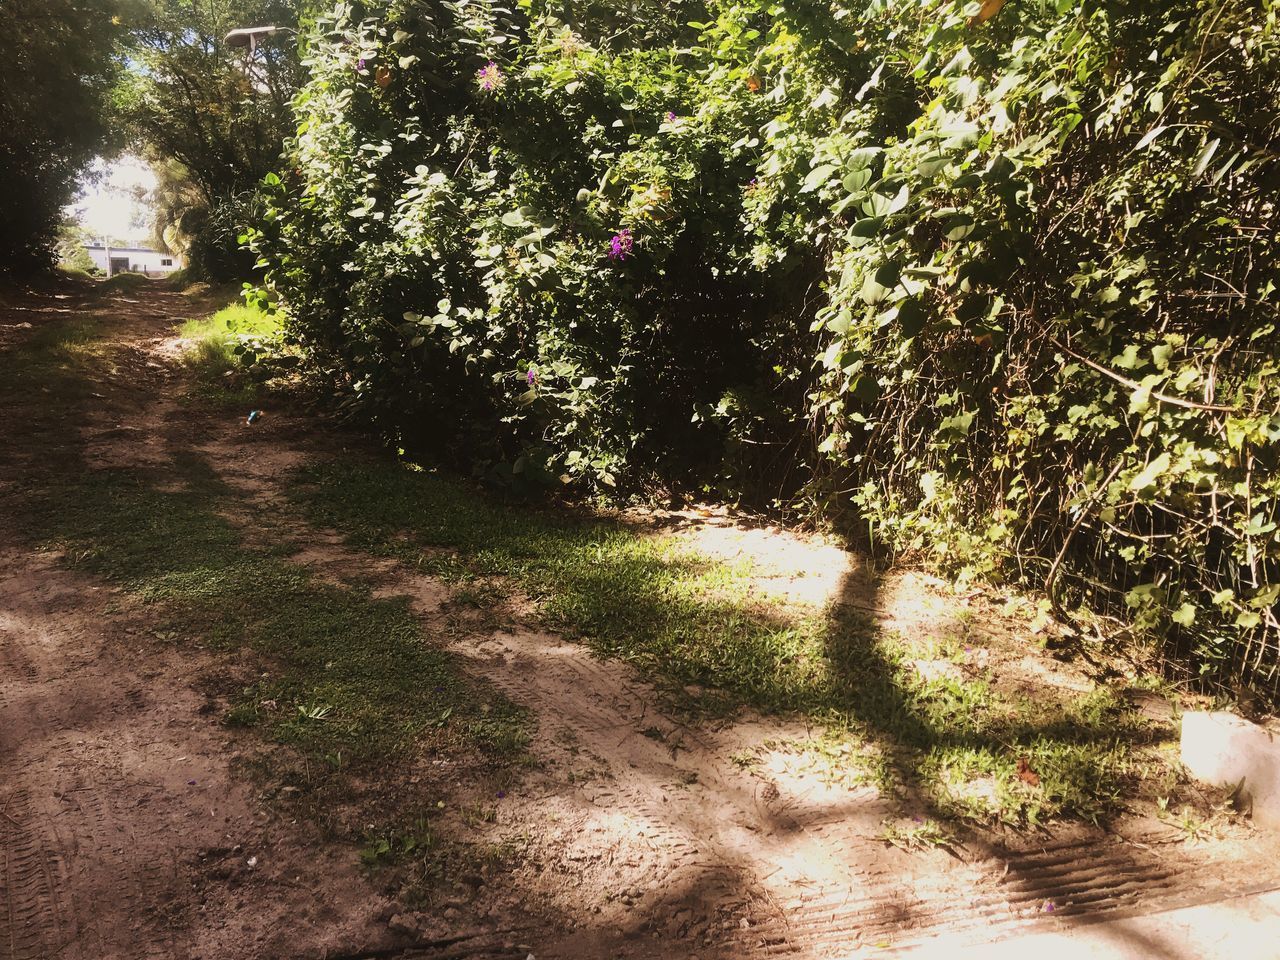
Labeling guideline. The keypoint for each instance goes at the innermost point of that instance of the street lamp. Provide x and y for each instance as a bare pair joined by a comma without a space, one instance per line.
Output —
249,36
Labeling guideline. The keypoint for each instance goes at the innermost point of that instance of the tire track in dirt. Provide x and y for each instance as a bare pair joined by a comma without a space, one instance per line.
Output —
645,835
31,926
123,833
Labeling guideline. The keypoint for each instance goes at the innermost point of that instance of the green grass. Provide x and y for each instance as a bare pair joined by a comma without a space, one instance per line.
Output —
211,354
382,688
234,320
682,618
346,675
126,282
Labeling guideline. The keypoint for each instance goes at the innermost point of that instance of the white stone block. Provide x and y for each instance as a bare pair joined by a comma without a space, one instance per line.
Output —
1223,749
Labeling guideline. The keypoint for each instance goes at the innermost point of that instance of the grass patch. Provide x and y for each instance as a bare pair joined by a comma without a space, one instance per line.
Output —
347,680
214,339
349,674
219,348
235,320
683,618
125,282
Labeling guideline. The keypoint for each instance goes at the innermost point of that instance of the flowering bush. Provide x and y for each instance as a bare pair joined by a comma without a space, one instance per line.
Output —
520,196
999,275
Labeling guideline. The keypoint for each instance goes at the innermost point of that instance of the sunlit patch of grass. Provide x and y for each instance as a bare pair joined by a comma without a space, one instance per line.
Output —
684,618
234,320
210,353
214,351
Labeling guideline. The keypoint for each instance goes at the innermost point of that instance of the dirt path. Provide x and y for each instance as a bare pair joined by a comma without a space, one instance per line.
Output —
125,832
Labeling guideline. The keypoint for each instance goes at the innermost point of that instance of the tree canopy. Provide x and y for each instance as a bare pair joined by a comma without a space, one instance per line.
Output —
58,68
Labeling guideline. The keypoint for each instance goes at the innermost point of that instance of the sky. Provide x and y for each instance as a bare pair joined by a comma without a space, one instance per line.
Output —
109,204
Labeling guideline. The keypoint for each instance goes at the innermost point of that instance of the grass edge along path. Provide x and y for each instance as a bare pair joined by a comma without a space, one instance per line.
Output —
349,685
961,746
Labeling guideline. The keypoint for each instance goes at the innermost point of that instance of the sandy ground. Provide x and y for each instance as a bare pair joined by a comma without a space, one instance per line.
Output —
126,831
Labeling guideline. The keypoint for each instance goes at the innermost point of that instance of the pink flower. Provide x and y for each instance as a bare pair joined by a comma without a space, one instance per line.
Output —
621,245
490,77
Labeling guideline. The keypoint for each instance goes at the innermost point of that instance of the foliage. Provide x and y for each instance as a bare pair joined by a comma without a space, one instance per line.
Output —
70,249
56,69
212,120
542,313
1002,274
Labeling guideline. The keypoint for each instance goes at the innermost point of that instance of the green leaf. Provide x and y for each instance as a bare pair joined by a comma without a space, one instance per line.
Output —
881,283
1205,155
817,177
1149,138
515,218
958,226
1152,472
1185,615
911,317
867,227
856,180
1248,619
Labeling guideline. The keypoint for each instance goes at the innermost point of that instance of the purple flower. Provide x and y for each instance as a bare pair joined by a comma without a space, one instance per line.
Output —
671,116
502,794
621,245
490,77
531,376
1048,906
360,64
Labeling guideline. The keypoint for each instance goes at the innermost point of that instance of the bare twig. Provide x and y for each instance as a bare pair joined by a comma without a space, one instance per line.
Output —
1135,385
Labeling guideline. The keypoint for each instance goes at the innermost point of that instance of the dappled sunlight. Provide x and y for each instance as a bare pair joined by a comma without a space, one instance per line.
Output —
782,563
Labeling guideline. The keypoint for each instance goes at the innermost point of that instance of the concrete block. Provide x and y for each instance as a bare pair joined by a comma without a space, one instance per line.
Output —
1223,749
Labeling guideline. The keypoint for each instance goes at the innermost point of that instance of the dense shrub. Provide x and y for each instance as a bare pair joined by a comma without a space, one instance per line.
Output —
518,245
1001,276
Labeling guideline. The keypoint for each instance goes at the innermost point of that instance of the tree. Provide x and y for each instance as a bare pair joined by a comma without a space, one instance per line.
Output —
57,70
219,113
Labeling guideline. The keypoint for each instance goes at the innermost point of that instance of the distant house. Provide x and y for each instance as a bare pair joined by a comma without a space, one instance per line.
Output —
152,263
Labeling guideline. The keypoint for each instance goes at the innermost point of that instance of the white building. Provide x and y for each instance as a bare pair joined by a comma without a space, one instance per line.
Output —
152,263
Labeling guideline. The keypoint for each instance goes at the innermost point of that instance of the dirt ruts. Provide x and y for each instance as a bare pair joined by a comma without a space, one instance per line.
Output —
126,830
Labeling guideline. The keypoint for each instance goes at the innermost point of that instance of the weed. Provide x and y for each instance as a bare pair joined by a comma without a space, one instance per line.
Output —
1195,825
915,835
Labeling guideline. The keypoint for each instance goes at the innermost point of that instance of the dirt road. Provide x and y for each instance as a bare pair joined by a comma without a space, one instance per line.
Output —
130,827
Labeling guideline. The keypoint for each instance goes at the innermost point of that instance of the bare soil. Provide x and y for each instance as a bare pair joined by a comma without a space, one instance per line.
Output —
129,826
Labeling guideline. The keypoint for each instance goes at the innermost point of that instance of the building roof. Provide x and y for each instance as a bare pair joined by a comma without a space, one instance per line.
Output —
100,246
